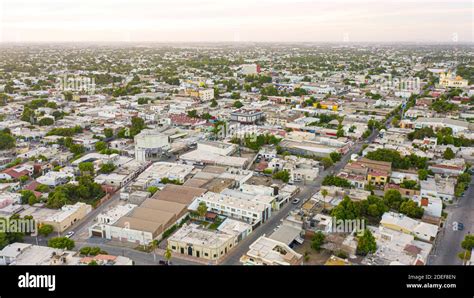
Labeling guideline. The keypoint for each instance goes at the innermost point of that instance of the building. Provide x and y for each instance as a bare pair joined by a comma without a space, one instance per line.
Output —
249,211
68,215
23,254
246,116
399,222
146,222
109,217
158,171
436,123
266,251
450,80
29,254
397,248
206,94
106,260
215,147
378,172
54,179
443,189
214,153
150,144
201,243
250,69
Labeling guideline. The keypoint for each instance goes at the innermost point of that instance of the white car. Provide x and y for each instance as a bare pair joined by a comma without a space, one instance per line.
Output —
295,201
69,234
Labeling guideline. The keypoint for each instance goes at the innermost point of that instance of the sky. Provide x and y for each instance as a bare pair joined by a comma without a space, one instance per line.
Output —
448,21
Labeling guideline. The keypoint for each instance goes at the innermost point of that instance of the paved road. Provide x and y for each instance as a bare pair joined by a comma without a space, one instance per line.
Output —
305,194
139,257
448,242
143,258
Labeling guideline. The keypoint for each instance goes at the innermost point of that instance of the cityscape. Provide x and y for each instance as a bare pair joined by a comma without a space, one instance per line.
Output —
240,152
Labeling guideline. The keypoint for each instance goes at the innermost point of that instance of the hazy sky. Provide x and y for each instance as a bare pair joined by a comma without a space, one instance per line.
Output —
236,20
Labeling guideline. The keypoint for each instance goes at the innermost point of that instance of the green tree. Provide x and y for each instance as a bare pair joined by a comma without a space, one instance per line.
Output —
168,255
317,241
61,242
152,189
46,121
193,114
448,154
138,124
393,199
366,243
107,168
335,156
237,104
6,141
56,199
422,174
77,149
45,230
282,175
411,209
86,168
336,181
202,209
99,146
327,162
26,196
340,133
468,242
324,193
346,209
235,95
108,132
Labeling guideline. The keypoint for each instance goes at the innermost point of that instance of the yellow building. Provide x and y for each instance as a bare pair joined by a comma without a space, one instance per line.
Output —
326,105
68,215
377,177
200,243
449,80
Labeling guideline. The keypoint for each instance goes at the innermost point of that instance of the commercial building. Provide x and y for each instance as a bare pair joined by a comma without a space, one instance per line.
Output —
399,222
249,211
153,175
201,243
266,251
150,144
246,116
68,215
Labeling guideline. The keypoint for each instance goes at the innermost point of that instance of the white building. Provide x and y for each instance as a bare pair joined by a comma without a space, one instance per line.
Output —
55,178
150,144
442,189
266,251
407,225
249,211
206,94
249,69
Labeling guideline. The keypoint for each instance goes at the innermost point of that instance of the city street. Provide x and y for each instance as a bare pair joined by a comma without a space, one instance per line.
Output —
305,194
448,242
